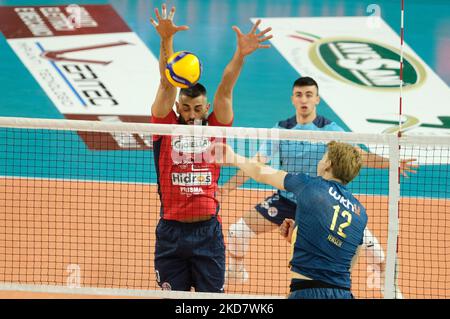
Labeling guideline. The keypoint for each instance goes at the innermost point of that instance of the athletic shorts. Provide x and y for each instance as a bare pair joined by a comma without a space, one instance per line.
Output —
190,255
318,290
276,208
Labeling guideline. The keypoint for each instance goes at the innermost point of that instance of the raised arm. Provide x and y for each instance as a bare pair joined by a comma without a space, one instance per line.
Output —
240,178
260,172
167,93
376,161
246,44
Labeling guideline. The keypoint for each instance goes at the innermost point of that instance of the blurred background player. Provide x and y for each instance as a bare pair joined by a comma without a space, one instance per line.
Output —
329,221
190,250
301,157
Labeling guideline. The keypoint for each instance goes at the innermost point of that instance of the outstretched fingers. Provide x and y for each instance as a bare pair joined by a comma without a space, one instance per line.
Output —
171,14
163,15
182,28
264,46
237,30
264,32
164,22
266,38
407,167
255,26
407,170
164,11
158,16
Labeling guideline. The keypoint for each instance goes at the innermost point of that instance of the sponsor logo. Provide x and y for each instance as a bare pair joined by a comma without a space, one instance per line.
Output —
365,63
79,57
59,55
272,211
114,140
192,179
183,161
191,190
190,144
74,278
411,122
343,201
266,205
74,17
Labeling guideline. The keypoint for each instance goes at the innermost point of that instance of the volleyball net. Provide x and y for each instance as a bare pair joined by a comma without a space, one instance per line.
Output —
79,206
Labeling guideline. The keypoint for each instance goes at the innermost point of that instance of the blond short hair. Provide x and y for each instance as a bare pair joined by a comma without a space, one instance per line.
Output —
346,161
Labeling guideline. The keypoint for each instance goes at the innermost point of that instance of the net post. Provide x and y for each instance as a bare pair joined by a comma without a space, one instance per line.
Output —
393,219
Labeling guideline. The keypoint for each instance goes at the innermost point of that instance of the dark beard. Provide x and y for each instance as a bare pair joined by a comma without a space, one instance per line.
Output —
182,121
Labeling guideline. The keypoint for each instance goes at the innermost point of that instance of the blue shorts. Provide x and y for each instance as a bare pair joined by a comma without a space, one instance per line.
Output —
190,255
276,208
314,292
321,293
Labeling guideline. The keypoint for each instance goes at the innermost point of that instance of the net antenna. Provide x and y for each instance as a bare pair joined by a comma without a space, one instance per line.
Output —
398,294
391,287
402,42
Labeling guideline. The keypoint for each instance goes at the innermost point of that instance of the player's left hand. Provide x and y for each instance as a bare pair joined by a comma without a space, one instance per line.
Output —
248,43
407,167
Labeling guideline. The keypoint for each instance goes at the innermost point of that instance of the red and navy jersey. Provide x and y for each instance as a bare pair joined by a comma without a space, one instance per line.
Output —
187,182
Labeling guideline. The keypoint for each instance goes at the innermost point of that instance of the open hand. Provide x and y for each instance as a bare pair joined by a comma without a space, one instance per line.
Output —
248,43
164,23
407,167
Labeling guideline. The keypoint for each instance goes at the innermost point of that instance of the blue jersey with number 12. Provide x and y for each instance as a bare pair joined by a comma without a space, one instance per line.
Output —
330,224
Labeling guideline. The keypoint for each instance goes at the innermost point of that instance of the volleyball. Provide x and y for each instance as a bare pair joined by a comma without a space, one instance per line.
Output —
183,69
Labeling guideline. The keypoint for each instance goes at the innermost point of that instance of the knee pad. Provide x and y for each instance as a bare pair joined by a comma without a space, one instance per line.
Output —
374,251
239,236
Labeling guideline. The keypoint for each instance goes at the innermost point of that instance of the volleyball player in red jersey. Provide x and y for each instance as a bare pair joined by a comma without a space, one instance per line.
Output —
190,250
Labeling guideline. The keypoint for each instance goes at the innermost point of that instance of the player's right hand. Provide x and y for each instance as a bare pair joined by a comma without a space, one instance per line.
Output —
164,23
287,228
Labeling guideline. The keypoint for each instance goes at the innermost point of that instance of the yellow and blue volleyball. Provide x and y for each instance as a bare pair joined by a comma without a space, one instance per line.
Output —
183,69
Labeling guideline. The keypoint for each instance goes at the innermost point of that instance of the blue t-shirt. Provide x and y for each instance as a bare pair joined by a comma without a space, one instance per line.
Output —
298,156
330,224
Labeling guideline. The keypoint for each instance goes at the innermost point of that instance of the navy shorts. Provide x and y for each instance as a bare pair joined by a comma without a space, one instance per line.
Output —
318,290
190,255
321,293
276,208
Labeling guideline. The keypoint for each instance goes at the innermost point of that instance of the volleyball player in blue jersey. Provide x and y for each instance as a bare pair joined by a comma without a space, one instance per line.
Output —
328,230
294,157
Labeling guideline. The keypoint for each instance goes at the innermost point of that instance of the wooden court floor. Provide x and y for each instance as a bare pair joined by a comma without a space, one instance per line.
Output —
107,230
